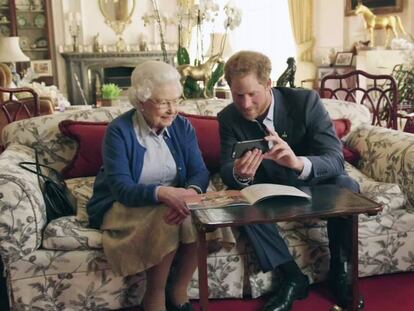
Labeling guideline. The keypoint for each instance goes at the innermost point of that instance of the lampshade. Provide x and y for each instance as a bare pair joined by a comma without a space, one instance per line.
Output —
215,45
10,51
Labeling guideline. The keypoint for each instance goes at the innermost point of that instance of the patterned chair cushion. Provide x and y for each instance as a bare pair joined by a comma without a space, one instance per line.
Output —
67,233
82,189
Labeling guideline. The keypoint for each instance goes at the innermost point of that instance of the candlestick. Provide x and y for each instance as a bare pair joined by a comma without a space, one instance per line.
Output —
74,29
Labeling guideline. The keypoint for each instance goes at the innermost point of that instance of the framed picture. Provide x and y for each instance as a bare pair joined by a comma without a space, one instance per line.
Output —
376,6
42,67
343,59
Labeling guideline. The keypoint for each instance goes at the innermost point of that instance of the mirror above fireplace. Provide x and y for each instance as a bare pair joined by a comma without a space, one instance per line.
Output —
117,14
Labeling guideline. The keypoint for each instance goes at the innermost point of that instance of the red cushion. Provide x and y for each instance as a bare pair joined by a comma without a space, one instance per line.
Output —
207,131
88,158
351,155
342,127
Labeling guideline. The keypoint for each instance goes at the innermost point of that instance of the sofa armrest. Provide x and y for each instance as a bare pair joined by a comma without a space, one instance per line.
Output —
22,208
386,155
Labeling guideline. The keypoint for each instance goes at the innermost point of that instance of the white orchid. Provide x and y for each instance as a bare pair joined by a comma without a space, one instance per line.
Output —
234,15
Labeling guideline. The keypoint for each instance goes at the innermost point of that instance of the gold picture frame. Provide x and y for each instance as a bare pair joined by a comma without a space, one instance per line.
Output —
376,6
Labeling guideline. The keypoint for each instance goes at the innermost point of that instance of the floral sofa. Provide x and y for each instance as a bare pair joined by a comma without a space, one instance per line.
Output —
61,265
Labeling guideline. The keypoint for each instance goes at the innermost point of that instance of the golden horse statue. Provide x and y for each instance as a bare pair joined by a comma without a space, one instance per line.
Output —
202,72
389,23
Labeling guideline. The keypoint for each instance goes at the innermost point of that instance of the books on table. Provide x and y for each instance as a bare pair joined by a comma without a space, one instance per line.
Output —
247,196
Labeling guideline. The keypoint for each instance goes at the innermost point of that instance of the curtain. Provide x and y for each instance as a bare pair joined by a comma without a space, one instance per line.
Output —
301,16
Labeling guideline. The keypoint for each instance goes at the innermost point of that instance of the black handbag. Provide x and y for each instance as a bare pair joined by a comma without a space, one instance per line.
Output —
58,198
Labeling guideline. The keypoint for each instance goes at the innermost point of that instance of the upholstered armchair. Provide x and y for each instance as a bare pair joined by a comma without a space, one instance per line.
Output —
13,108
19,103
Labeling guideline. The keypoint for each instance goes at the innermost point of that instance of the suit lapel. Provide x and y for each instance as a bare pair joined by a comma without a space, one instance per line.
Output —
282,121
283,126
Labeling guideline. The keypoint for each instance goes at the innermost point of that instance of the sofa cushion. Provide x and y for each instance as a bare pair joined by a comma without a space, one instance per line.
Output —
342,127
88,157
82,189
337,109
67,233
207,130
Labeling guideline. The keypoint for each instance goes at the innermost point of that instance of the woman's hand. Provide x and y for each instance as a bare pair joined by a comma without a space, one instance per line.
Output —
177,209
281,153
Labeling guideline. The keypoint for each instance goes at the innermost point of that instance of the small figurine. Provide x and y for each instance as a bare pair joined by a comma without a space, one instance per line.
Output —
97,44
143,45
390,23
121,45
288,76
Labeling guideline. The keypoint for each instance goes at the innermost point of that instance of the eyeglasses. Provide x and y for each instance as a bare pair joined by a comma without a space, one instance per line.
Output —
165,104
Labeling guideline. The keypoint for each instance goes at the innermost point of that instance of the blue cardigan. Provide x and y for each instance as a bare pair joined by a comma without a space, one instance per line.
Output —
123,156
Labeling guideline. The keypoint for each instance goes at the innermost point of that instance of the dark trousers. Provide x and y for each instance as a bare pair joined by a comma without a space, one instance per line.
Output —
272,251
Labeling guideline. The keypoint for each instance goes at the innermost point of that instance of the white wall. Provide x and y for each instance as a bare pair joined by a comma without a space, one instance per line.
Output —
331,27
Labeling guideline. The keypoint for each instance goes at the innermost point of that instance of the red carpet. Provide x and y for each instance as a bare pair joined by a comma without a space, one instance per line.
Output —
382,293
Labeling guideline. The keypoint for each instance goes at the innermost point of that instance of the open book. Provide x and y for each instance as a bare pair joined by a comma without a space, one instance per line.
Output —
247,196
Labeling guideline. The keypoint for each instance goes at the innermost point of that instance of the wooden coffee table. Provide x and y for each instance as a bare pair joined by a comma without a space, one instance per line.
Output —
327,201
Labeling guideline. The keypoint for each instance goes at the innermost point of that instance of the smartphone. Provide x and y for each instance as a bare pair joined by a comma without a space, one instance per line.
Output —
241,147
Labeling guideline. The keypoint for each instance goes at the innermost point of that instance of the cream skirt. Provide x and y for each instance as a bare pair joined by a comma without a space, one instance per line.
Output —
135,239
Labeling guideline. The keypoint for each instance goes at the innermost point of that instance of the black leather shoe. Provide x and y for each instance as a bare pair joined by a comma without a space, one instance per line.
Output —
288,293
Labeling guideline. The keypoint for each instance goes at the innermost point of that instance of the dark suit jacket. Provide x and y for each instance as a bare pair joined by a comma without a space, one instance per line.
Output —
303,122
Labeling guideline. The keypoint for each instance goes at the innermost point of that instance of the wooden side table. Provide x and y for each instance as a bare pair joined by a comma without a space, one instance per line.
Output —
327,201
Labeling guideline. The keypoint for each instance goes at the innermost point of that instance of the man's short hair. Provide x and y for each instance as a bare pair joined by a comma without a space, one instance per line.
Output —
245,62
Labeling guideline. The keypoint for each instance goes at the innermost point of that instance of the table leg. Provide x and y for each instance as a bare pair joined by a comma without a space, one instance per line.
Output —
202,269
354,265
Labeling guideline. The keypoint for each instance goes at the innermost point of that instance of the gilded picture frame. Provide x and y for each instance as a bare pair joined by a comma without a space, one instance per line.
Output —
376,6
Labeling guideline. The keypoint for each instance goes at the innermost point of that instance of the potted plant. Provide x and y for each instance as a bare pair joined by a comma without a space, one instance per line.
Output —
110,94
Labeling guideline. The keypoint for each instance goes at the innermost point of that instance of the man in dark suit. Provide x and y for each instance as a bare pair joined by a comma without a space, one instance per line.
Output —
304,150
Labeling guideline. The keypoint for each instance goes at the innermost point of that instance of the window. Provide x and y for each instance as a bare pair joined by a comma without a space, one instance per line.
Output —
266,28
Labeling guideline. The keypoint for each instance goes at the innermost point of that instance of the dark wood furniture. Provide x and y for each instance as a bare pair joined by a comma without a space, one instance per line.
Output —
378,92
12,108
32,22
327,201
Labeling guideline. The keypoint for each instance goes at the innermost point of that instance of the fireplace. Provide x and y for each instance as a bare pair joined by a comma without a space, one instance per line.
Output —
86,72
120,76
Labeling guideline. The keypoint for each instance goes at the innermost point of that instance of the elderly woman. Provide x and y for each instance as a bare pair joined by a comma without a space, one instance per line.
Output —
151,162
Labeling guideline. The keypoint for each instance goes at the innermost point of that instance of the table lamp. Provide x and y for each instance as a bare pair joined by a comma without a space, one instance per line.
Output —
11,53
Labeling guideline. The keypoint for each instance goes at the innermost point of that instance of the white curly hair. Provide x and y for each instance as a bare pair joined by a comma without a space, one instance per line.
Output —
148,76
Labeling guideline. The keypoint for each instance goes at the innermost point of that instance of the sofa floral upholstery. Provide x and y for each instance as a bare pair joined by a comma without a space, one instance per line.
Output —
61,265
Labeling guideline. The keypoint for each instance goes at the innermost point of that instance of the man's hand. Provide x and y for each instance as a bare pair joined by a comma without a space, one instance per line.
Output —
173,197
247,165
281,153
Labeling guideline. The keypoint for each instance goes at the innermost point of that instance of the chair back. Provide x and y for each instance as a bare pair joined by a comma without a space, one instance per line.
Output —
378,92
405,83
13,109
